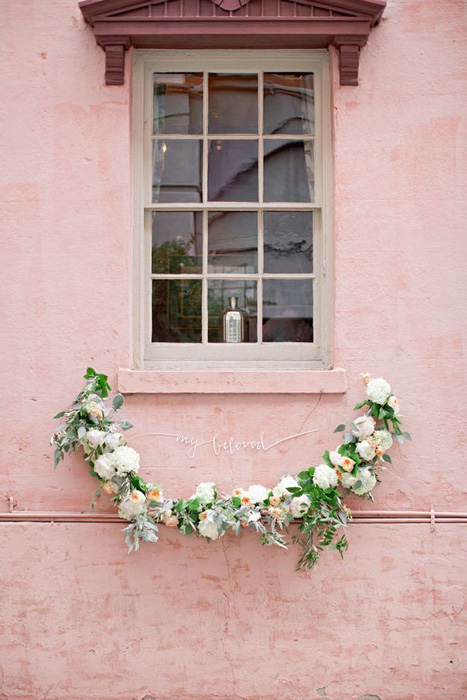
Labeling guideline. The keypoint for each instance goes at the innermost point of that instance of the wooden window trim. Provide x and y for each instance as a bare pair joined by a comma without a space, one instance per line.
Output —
172,24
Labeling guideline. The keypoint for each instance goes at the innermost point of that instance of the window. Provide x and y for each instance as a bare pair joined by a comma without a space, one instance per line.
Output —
232,208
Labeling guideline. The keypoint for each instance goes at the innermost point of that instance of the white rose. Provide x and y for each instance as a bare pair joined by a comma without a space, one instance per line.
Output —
378,390
348,480
125,459
393,403
325,477
384,439
208,528
299,505
366,481
363,427
104,467
365,450
206,492
284,484
95,438
336,458
114,440
258,493
132,506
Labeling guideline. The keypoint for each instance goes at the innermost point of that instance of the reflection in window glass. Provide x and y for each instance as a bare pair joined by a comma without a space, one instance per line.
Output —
178,103
219,292
287,311
177,168
288,171
233,171
233,242
176,311
288,242
177,242
233,104
288,103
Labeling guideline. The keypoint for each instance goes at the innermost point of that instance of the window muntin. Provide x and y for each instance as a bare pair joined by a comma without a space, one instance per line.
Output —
221,202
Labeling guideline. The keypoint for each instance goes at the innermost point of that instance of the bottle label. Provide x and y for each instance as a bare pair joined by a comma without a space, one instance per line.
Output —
233,327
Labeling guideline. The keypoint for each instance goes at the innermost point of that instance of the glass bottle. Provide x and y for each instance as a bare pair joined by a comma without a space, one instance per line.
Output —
234,323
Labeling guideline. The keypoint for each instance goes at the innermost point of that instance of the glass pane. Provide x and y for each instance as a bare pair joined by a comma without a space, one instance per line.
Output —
219,294
288,103
233,104
288,171
177,242
233,171
176,311
288,311
288,241
177,168
233,242
178,103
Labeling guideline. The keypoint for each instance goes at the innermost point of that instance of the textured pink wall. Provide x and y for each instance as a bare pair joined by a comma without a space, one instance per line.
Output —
186,619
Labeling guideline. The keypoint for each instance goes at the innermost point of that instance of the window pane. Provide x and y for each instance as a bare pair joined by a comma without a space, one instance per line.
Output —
177,242
233,104
233,171
233,242
288,171
177,168
288,103
176,311
219,293
288,241
287,311
178,103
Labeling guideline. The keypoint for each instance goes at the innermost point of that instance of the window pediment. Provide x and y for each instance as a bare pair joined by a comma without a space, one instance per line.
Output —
232,24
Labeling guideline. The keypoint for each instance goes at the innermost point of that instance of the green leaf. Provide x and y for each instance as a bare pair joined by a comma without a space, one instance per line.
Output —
117,402
59,415
407,436
125,424
340,428
360,405
304,476
236,501
81,432
180,505
386,458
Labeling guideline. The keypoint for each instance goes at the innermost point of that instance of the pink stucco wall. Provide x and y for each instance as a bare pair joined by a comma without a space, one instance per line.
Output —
185,618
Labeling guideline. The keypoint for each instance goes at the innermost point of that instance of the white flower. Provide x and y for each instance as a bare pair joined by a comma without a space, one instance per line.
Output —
258,493
125,459
336,458
325,477
366,450
366,481
132,506
378,390
207,527
104,467
383,438
114,440
284,484
95,438
363,427
206,492
299,505
348,480
393,403
254,516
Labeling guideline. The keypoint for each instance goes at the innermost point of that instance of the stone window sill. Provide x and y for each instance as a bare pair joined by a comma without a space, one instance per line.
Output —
234,381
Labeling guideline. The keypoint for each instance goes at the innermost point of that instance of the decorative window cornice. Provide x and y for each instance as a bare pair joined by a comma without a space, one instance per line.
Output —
232,24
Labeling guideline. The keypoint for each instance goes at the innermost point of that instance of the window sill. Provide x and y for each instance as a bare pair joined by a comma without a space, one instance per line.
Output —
236,381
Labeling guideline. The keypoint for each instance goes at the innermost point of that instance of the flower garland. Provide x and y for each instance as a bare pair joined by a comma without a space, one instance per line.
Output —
312,498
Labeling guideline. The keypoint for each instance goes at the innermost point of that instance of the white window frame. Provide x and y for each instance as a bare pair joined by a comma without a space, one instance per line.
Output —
166,356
